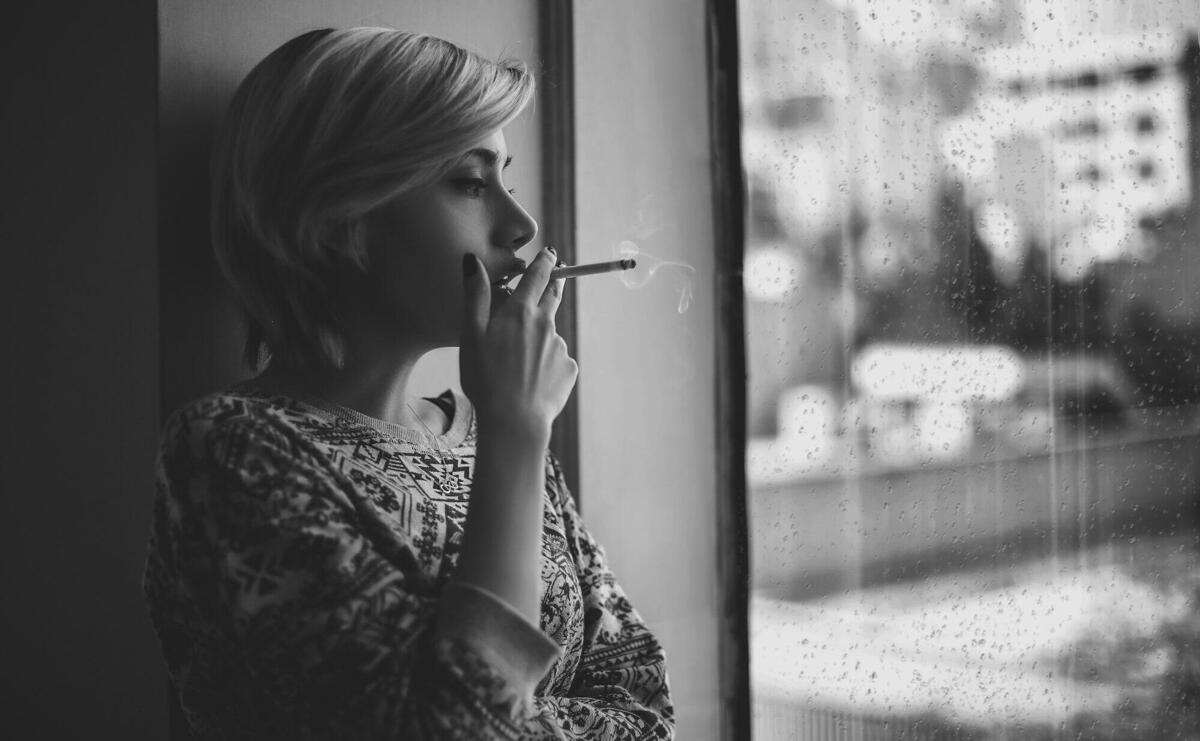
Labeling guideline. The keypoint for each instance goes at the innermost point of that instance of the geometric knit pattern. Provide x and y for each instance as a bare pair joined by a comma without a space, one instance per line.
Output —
295,563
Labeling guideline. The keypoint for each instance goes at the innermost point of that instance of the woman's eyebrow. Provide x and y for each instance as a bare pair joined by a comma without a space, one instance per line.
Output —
489,156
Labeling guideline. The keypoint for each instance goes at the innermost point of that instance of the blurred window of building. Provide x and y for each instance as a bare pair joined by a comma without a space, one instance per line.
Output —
972,283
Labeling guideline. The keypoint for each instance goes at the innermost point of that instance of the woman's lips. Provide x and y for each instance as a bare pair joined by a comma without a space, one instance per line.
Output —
513,270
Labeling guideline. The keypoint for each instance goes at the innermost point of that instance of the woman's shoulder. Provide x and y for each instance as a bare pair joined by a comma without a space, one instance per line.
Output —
228,406
236,415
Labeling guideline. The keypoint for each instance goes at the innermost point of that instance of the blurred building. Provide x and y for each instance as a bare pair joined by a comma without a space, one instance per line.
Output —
934,172
1073,149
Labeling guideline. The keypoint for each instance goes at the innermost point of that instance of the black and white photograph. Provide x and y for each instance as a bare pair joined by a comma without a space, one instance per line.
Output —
697,370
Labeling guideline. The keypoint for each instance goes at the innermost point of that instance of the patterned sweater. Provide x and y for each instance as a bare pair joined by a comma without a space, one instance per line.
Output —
300,579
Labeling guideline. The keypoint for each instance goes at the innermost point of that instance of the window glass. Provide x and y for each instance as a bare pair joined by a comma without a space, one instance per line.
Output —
972,285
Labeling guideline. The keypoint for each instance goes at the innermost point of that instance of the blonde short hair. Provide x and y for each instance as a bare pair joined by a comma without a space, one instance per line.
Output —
322,131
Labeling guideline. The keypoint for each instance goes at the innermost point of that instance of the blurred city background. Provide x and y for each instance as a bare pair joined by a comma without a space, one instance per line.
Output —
973,304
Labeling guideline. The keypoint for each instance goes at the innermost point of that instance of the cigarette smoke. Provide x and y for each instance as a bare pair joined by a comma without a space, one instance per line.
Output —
649,265
647,226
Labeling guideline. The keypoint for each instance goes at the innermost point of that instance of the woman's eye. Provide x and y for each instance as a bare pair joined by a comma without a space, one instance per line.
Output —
475,187
472,186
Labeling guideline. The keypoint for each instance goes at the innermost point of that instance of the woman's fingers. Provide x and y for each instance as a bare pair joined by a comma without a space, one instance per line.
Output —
552,296
535,279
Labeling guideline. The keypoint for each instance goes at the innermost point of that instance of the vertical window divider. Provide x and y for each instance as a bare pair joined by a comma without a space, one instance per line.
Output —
733,563
557,107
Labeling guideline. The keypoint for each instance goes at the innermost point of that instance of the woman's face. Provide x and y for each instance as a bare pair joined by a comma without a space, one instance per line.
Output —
415,245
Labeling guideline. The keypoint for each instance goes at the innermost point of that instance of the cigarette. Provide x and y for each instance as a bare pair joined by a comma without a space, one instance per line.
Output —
595,268
573,271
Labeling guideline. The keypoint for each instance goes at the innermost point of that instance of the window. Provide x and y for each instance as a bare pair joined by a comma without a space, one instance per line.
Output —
974,368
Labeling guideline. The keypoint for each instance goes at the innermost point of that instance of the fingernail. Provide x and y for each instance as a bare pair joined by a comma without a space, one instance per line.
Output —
552,250
469,264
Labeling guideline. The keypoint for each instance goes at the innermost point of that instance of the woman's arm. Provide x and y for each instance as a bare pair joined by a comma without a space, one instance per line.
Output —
516,371
518,375
279,617
503,531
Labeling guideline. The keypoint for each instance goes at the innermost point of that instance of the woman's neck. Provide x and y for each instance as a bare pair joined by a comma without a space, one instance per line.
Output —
377,389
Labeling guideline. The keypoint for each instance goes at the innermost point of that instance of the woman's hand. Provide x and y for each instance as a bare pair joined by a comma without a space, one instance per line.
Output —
514,365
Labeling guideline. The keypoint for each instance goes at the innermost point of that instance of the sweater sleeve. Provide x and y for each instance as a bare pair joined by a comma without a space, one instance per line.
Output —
280,619
621,689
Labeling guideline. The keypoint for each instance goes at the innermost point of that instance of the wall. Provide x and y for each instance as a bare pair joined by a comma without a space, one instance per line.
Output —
646,391
206,49
80,395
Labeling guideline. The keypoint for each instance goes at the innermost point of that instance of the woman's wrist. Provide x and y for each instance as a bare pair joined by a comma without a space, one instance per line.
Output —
514,430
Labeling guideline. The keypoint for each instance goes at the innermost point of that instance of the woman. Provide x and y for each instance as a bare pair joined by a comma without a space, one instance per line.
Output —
330,558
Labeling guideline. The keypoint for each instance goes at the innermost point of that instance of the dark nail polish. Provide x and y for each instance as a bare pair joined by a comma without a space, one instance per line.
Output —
469,265
552,249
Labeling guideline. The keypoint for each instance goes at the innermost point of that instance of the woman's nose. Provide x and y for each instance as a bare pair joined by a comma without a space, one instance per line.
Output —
519,228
